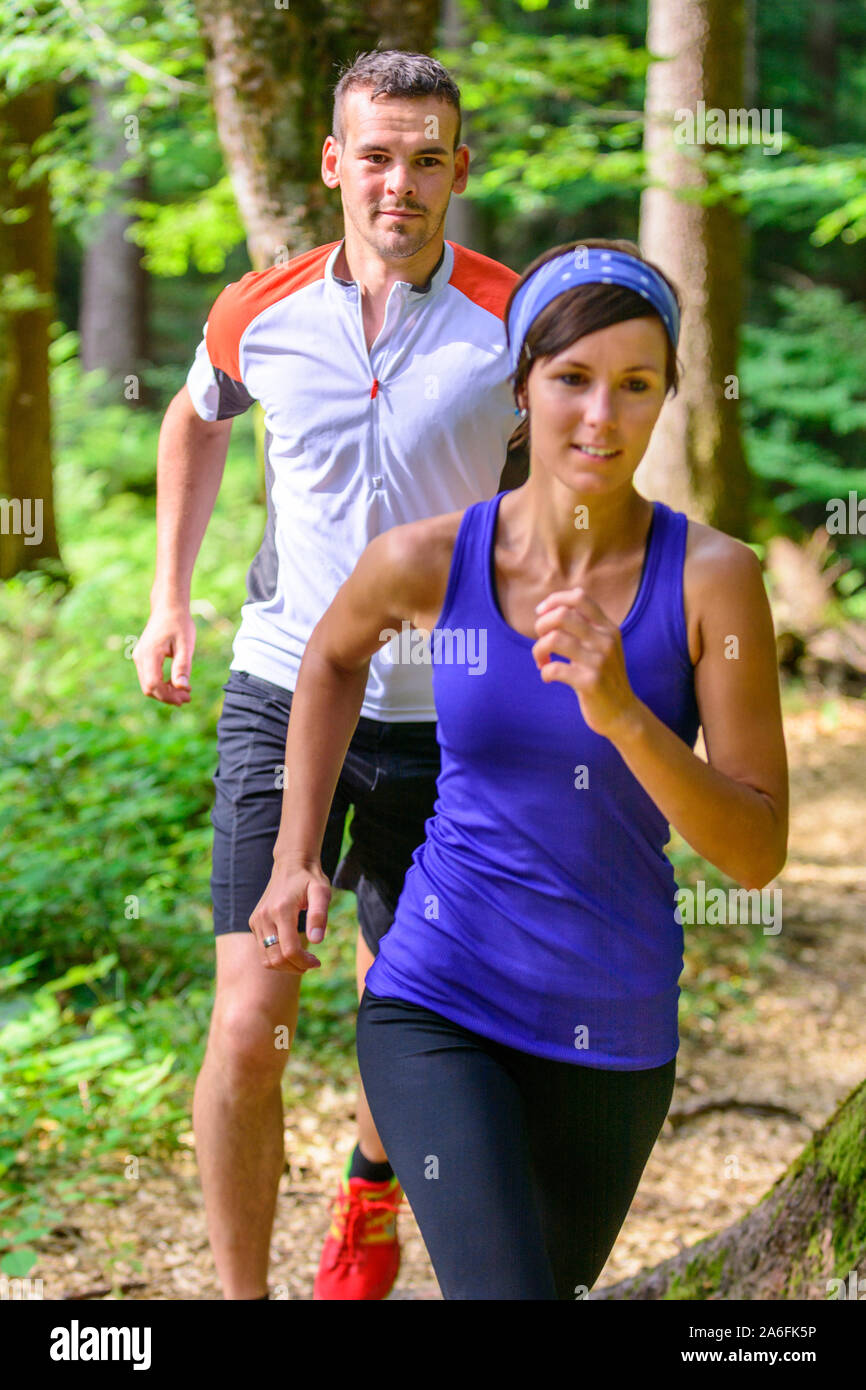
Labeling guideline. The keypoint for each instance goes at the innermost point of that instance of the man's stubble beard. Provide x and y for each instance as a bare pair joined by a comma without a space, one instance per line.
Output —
406,248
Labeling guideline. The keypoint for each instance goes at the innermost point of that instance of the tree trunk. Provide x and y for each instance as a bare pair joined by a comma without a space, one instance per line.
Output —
114,284
695,461
462,222
809,1230
823,48
272,68
27,526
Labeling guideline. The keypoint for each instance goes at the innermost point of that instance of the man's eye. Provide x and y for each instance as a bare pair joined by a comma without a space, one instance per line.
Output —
639,384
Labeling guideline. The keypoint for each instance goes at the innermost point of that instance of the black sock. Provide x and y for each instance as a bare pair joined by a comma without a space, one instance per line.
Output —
361,1167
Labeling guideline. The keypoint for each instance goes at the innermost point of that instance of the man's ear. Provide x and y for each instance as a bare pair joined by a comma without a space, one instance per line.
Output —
461,179
332,149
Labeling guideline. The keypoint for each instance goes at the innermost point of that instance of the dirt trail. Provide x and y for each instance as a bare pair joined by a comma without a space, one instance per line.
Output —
801,1044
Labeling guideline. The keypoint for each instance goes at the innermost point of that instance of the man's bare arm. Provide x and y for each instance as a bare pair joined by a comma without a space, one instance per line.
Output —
190,461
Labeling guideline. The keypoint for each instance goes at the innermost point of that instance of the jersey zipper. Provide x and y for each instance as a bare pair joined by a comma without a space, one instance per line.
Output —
377,379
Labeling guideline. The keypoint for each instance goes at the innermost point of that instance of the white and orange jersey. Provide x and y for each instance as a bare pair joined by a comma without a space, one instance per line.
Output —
356,441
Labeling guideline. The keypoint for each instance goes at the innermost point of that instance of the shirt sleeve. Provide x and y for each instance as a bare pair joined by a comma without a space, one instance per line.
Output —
217,394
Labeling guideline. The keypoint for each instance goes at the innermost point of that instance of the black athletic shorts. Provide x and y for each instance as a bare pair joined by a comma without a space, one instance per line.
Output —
389,777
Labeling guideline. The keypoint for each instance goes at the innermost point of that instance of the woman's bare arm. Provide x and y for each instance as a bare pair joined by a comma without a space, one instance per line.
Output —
732,810
402,575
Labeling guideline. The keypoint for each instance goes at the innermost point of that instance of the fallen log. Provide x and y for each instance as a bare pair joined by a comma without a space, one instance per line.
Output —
803,1240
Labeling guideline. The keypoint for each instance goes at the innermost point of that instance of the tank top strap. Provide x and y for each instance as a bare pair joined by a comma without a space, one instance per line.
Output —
660,603
465,594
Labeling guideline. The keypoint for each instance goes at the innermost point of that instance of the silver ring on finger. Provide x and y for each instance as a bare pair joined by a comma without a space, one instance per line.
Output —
270,941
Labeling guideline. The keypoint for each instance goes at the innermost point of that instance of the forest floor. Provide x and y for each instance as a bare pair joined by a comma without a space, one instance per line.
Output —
799,1044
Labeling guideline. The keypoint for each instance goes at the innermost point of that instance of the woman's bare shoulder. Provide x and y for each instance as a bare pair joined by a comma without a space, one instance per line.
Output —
713,556
722,585
417,543
418,557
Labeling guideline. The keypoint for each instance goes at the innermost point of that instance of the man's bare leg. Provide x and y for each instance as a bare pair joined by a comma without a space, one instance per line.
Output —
368,1136
238,1112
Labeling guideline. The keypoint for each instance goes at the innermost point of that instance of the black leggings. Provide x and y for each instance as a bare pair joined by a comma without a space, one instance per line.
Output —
520,1170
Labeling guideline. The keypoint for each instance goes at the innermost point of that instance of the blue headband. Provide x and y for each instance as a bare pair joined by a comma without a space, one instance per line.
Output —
587,265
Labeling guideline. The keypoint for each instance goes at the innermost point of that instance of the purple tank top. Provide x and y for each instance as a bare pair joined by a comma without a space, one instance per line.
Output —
540,909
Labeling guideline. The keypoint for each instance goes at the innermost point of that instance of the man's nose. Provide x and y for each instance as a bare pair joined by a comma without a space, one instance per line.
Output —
400,181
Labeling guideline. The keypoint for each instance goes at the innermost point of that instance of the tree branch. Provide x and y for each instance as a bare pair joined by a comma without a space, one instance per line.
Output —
126,60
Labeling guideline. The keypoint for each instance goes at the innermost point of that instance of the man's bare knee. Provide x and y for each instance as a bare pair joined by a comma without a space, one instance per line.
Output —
248,1042
254,1017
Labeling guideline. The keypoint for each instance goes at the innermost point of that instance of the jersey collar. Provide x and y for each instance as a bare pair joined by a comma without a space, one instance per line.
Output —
439,276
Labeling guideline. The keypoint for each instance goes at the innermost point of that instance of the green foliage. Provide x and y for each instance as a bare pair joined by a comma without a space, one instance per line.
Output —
802,187
804,406
118,845
99,1085
104,795
545,119
18,292
150,65
811,194
722,965
48,40
200,231
787,57
326,1023
554,98
82,1088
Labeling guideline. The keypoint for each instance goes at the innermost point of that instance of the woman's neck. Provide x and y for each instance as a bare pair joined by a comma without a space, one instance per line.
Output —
569,533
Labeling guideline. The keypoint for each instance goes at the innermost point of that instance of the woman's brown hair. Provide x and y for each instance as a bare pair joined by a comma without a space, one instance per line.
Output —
581,310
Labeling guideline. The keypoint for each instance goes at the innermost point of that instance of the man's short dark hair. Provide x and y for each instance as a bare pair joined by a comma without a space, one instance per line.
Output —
394,73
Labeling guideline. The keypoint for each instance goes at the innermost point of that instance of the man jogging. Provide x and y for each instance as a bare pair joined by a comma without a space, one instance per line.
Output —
380,362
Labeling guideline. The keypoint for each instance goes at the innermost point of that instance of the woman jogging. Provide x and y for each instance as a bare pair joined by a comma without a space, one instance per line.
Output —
518,1032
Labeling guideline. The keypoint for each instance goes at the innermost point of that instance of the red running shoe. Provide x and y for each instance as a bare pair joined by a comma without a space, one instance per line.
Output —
361,1256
